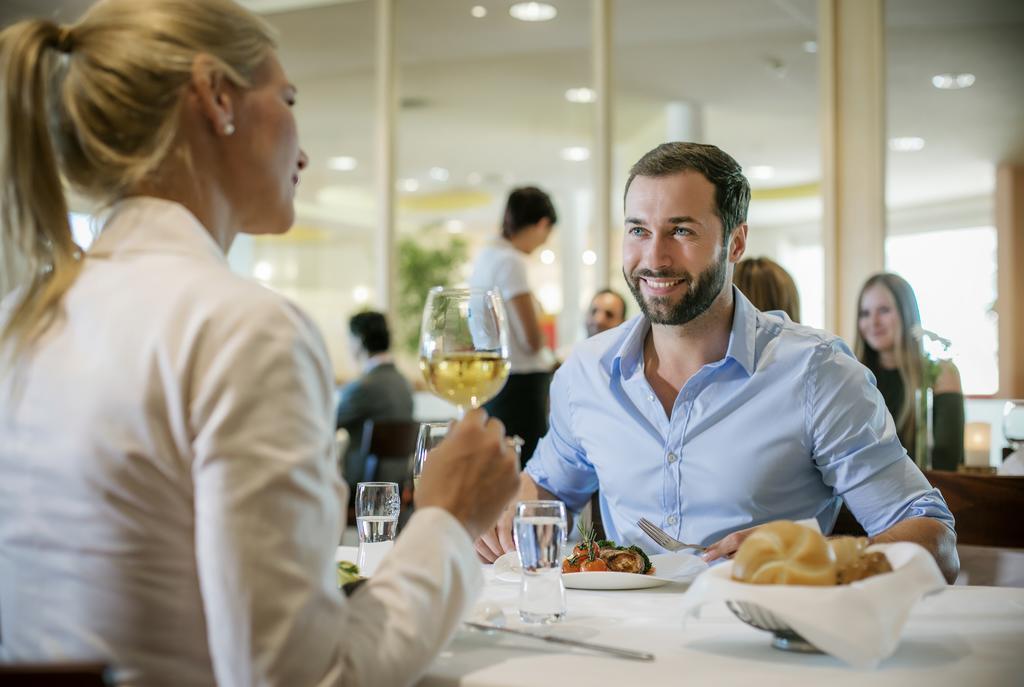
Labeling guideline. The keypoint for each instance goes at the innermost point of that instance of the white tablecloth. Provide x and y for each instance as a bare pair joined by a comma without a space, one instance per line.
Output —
970,636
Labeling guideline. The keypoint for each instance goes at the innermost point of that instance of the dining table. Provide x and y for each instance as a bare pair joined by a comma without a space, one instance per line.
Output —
971,636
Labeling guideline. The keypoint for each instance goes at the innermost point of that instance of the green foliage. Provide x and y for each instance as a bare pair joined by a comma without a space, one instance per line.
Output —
420,268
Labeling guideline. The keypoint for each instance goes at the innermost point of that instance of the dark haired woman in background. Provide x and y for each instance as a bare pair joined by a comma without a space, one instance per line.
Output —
889,343
523,404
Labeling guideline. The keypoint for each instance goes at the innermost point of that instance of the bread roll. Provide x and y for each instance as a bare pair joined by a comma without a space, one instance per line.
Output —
868,565
847,550
784,552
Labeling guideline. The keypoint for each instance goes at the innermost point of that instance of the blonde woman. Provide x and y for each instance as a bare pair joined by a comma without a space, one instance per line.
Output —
169,500
889,343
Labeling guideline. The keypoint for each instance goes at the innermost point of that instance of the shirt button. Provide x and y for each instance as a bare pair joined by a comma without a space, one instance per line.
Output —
672,519
650,397
672,458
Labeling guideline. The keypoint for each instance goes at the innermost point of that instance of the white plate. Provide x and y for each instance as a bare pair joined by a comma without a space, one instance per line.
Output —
668,567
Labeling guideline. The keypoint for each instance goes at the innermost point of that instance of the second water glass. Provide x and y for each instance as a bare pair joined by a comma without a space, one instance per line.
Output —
540,532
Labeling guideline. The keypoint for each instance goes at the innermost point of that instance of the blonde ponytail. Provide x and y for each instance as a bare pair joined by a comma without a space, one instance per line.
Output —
95,105
37,251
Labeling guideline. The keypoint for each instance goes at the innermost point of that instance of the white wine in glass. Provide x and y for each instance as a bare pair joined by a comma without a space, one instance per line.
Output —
464,346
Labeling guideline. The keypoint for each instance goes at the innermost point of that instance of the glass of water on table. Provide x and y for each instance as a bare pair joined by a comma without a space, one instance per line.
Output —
539,529
377,506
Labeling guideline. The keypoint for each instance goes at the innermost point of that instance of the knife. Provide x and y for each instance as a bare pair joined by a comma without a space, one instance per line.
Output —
614,651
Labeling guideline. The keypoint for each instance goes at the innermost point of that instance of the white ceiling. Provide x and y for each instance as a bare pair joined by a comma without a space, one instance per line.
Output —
486,95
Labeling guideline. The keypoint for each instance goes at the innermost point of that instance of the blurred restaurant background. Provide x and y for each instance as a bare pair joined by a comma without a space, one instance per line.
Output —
876,135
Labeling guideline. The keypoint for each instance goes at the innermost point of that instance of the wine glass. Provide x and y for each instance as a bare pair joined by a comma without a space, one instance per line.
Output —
464,345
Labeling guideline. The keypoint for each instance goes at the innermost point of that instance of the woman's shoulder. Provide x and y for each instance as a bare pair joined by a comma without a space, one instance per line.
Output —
947,380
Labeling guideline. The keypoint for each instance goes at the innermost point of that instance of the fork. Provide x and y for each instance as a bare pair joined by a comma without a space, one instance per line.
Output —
662,539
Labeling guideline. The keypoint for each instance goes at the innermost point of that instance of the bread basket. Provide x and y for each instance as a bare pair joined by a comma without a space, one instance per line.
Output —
783,636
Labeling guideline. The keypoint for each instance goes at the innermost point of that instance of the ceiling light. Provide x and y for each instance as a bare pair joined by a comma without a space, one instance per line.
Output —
478,11
438,174
575,154
906,144
361,294
589,257
810,47
342,163
952,82
547,256
455,226
580,95
409,185
532,11
760,172
263,270
474,178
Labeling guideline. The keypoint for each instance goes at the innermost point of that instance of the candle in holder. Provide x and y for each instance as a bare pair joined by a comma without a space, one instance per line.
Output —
977,440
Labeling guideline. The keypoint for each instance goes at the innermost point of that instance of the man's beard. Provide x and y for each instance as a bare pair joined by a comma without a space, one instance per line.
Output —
698,298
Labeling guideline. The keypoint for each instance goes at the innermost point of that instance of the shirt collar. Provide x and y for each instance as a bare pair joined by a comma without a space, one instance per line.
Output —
142,224
628,356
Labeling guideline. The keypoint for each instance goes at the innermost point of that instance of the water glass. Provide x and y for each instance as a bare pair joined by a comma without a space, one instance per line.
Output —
540,533
430,435
377,506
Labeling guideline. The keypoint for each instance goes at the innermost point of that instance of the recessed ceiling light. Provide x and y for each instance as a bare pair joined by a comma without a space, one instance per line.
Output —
533,11
439,174
580,95
760,172
455,226
575,154
361,294
263,270
952,82
810,46
589,257
409,185
906,144
547,256
342,163
478,11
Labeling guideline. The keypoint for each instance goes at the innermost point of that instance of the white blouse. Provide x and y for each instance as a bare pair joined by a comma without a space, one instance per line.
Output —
169,499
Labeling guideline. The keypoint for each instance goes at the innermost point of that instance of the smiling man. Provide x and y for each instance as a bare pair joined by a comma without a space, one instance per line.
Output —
707,416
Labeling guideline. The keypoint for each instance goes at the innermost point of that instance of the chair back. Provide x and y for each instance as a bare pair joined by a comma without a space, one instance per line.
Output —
987,508
388,446
55,675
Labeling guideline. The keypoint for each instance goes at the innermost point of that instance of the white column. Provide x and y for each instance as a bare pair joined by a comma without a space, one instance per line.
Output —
851,54
385,157
601,40
684,121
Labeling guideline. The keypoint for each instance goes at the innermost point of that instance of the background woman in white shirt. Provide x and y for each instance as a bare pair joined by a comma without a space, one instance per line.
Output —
523,403
169,499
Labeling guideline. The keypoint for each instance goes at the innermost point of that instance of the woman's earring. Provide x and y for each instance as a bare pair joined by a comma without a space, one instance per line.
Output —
228,129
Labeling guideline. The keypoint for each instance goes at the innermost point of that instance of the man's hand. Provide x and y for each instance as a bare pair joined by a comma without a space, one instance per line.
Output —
472,474
727,546
498,540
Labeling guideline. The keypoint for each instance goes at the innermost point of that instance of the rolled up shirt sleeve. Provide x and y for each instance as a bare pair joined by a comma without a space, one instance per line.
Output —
856,448
560,464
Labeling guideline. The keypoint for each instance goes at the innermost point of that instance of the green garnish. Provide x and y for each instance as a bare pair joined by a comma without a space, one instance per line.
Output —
347,572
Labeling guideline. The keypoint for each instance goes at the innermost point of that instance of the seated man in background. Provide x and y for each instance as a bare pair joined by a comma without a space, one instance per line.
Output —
707,416
380,393
607,310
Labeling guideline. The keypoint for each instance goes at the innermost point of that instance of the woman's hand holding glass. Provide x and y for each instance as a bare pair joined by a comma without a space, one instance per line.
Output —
473,473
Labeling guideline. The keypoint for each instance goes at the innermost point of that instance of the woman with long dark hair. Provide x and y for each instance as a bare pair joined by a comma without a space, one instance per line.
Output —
523,403
889,343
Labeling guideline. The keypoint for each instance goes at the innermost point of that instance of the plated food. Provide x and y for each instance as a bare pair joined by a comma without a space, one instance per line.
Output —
603,555
784,552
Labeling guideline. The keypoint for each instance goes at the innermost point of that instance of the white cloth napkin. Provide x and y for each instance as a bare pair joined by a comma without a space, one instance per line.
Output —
859,623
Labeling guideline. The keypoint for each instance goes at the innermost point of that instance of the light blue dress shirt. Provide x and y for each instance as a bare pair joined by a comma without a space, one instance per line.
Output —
787,425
